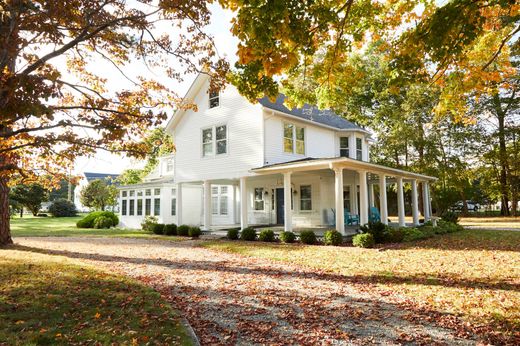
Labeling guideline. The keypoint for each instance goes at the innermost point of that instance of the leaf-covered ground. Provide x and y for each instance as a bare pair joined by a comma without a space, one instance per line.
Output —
46,300
472,274
233,299
30,226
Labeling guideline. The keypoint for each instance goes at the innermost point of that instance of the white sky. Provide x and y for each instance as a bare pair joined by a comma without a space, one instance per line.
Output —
104,162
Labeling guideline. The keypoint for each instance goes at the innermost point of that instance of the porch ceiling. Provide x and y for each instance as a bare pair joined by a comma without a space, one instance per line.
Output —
312,164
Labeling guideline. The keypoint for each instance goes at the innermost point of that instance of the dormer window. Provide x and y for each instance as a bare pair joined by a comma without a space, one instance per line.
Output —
343,147
359,149
214,99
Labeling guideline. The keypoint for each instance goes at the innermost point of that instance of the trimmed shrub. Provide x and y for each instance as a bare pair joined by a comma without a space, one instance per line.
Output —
63,208
183,230
365,240
194,232
266,235
88,220
248,234
448,227
287,237
158,228
308,237
147,223
232,234
394,235
333,237
170,229
450,216
42,215
412,233
102,222
377,229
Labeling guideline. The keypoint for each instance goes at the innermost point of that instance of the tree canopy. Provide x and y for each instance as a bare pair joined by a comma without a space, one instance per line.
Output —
98,194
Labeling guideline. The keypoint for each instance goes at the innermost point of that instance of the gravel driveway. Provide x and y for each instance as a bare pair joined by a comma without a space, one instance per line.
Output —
230,299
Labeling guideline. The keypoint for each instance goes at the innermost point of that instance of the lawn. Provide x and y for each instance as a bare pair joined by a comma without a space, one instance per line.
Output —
48,300
474,274
30,226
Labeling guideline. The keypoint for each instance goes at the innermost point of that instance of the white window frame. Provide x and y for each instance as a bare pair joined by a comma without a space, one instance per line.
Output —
347,148
218,195
173,205
210,98
261,199
294,139
306,199
214,141
169,165
359,151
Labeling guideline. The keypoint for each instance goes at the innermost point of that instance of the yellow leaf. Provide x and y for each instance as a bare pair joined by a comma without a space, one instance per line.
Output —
97,315
19,322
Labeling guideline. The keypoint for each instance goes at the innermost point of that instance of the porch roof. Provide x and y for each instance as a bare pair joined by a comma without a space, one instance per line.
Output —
312,164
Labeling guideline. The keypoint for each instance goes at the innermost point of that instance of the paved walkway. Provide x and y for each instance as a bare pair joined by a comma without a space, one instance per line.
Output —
230,299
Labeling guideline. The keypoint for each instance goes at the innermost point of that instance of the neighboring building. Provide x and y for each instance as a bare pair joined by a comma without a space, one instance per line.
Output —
239,164
86,178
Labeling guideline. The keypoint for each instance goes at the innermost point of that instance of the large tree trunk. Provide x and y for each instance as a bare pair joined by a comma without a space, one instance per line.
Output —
5,229
502,155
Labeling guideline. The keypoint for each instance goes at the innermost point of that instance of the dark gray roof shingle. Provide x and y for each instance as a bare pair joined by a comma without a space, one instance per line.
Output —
312,113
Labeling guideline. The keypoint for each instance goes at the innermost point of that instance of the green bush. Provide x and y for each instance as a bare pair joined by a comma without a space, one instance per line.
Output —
287,237
194,232
63,208
308,237
170,229
248,234
332,237
412,233
88,220
158,228
365,240
377,229
448,227
266,235
102,222
147,223
183,230
232,234
394,235
450,216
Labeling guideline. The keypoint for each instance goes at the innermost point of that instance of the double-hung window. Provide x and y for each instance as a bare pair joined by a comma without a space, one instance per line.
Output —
139,207
169,165
157,206
305,197
214,99
174,202
219,200
343,147
359,149
214,140
293,139
131,208
147,206
123,206
259,198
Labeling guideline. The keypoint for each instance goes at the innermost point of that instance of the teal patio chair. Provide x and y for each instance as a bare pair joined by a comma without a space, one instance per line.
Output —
351,219
374,215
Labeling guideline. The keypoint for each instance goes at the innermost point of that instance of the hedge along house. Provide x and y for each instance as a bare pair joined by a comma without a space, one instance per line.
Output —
240,163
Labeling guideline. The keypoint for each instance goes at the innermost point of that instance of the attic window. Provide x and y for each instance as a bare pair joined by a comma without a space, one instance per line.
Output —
214,100
169,165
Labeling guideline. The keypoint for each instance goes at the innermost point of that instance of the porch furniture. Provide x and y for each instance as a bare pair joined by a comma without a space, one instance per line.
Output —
351,219
374,215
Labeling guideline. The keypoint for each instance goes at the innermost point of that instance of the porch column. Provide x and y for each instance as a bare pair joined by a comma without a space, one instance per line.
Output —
353,199
426,201
243,203
338,192
371,195
207,205
363,198
400,202
415,203
236,208
382,199
178,210
287,202
429,202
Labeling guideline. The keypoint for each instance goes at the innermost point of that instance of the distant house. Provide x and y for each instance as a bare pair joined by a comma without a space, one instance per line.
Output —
86,178
239,163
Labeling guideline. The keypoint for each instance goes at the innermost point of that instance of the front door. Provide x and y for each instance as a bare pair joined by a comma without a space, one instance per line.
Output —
279,207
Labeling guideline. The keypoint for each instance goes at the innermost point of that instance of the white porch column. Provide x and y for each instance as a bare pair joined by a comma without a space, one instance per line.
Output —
287,202
178,210
207,205
236,205
353,199
382,199
371,195
338,192
415,203
426,201
243,203
400,201
429,202
363,198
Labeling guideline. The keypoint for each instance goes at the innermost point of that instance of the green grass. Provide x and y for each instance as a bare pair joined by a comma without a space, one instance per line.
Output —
30,226
48,300
475,274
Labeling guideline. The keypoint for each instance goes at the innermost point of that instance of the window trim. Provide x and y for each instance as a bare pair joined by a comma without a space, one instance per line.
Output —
258,200
214,97
347,148
294,139
173,206
306,199
360,150
214,141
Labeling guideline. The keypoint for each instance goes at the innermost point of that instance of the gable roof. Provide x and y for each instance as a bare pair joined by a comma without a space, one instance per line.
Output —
311,113
102,176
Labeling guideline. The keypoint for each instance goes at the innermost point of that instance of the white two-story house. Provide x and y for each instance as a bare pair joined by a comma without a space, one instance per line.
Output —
239,163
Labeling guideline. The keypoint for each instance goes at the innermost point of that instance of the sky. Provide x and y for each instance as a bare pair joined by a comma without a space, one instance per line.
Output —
104,162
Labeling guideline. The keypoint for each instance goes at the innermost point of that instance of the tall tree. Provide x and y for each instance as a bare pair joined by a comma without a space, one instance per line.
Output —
98,194
55,100
30,196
